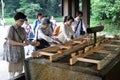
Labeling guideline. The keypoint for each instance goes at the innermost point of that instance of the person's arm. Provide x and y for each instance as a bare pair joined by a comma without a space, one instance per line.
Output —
56,31
11,40
43,36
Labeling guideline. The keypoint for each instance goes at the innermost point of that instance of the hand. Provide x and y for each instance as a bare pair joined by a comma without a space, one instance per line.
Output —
56,42
56,39
32,43
23,44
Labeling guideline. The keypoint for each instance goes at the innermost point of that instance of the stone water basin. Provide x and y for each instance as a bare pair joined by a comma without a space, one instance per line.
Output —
109,48
114,42
96,55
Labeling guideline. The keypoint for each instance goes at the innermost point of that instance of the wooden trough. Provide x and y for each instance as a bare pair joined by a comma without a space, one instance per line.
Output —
54,52
97,55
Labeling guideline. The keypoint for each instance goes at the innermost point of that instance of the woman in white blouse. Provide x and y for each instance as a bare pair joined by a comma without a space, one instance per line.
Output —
66,32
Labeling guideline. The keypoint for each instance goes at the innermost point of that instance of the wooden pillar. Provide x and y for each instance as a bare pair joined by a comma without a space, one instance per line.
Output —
75,7
70,7
65,7
86,12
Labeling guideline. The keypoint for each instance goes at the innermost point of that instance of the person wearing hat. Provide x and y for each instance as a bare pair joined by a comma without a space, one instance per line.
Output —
44,34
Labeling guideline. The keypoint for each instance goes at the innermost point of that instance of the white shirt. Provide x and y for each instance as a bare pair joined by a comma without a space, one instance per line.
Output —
66,33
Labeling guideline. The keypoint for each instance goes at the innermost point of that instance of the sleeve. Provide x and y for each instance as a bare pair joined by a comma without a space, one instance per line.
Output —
10,33
56,30
65,32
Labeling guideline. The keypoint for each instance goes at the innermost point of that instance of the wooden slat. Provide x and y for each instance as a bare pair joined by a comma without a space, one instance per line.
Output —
46,53
88,60
115,40
111,45
77,41
101,51
100,63
73,60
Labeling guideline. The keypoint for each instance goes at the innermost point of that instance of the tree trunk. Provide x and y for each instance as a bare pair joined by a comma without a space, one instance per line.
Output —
3,5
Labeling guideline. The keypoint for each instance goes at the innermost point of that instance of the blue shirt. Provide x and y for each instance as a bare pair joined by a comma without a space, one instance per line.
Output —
35,24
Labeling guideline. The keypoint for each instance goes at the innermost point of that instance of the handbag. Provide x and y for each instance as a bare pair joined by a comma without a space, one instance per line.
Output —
82,32
11,53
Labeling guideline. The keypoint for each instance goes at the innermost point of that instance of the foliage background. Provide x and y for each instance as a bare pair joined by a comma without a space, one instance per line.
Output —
106,9
30,7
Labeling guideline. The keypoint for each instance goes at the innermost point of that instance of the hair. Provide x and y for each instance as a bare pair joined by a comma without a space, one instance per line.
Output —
45,21
67,18
38,14
78,13
26,19
19,15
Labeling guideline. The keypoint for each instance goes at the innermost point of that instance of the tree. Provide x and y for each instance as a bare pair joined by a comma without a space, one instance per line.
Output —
3,5
11,7
106,9
2,18
30,7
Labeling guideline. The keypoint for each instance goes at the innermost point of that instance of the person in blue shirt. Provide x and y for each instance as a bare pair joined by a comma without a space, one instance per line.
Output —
37,20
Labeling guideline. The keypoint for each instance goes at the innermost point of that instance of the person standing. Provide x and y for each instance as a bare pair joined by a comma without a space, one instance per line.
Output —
17,40
78,26
37,21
